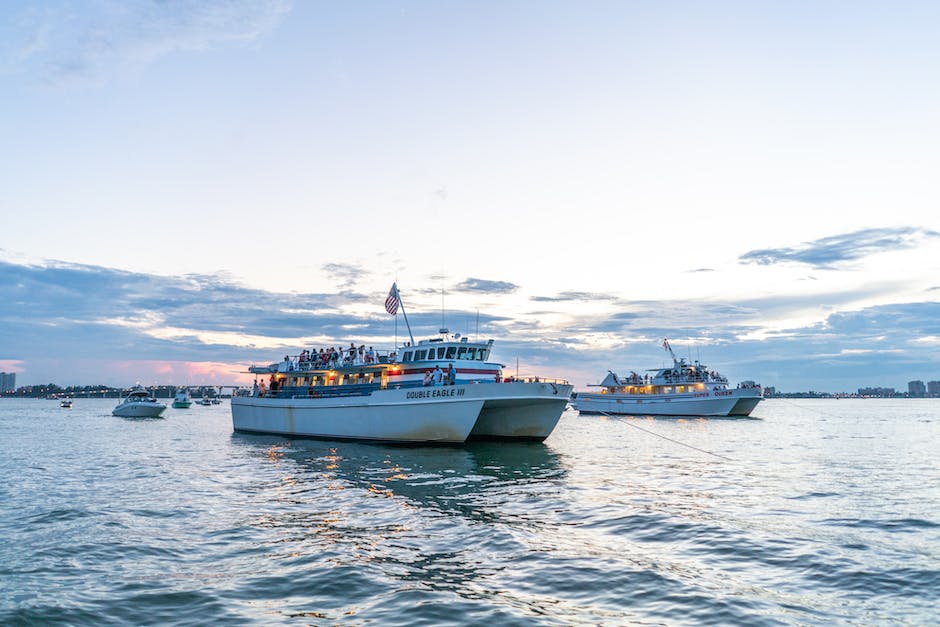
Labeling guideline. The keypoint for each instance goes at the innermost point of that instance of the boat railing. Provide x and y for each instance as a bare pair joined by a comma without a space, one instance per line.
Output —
296,364
534,379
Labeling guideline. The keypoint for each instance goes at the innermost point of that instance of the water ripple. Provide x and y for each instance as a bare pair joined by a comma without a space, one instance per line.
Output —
181,521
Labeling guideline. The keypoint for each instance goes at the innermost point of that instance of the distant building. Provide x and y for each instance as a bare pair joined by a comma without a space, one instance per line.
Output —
770,390
916,388
876,392
933,388
7,382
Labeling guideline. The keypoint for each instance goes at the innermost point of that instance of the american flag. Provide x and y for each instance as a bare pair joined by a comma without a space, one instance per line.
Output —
392,301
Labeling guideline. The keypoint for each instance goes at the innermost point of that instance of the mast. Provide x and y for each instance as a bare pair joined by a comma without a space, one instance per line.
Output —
669,348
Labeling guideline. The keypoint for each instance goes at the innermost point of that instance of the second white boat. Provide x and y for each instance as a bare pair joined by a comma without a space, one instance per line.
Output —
683,390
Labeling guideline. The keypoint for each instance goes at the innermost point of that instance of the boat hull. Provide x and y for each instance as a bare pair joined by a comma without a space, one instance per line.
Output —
434,415
182,404
526,414
737,402
139,410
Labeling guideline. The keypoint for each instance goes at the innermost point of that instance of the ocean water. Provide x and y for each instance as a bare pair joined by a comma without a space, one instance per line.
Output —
816,512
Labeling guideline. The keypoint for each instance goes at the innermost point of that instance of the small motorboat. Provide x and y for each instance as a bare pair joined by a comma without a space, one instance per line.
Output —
66,402
182,400
139,404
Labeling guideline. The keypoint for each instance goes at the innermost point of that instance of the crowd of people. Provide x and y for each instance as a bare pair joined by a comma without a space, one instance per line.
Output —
333,357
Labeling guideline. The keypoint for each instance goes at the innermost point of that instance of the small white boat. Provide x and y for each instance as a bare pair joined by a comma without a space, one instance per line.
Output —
683,390
139,404
205,401
67,403
182,400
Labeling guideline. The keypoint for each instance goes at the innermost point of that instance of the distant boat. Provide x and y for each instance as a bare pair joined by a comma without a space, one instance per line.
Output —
205,401
182,400
683,390
67,403
139,404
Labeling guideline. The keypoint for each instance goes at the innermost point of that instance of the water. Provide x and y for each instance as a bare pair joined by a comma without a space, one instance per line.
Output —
825,512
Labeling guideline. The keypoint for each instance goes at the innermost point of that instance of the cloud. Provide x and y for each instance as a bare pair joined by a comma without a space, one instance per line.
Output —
65,322
829,252
484,285
66,45
578,296
346,274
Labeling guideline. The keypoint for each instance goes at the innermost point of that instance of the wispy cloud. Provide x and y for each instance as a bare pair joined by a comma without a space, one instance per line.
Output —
832,251
346,274
483,285
574,296
64,44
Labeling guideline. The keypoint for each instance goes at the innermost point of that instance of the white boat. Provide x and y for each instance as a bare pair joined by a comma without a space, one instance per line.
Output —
67,403
205,401
139,404
182,400
383,398
683,390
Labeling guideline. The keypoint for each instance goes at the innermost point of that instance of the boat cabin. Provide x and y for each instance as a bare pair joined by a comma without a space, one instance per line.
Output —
406,367
441,349
681,378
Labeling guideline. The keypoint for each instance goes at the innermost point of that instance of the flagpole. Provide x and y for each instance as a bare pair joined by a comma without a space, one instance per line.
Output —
400,302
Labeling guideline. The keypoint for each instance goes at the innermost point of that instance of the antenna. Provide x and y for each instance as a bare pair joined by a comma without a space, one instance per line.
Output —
443,330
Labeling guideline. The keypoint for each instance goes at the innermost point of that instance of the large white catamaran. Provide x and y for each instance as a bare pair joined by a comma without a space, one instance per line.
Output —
398,395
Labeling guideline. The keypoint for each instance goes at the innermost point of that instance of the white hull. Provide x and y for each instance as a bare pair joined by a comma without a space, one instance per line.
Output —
438,414
522,417
737,402
139,410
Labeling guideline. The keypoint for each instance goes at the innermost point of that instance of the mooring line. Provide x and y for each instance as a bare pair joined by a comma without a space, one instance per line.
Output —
659,435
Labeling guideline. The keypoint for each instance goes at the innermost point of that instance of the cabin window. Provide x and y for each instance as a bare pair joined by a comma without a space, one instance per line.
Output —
451,351
481,354
407,356
420,355
471,353
462,352
440,352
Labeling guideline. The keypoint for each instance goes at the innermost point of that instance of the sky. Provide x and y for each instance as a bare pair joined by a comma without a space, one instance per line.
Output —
190,187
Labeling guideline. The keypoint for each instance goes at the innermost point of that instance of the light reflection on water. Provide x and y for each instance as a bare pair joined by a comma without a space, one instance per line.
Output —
819,512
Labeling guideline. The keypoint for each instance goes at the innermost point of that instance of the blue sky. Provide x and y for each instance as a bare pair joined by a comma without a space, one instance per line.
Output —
189,187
